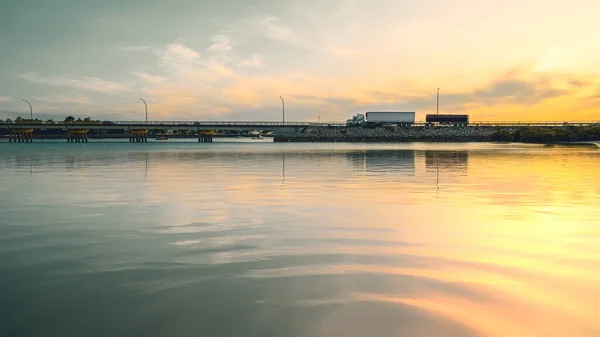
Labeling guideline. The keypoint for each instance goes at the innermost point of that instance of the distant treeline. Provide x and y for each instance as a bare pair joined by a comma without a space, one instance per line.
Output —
547,134
68,120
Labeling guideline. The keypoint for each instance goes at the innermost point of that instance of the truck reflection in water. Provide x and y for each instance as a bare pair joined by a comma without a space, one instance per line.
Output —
447,161
454,161
383,161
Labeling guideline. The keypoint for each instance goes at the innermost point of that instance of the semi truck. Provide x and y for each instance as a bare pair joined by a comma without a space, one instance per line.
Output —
447,119
382,118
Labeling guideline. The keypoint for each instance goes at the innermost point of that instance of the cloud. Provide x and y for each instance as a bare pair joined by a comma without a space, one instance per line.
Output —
274,29
270,27
214,80
208,83
4,99
181,63
187,81
63,99
179,51
514,88
220,44
155,79
252,61
84,83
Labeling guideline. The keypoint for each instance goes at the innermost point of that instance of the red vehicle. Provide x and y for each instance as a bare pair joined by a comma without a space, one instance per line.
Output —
448,119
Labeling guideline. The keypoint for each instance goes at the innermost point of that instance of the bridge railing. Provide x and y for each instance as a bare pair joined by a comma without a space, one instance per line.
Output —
186,123
211,123
259,124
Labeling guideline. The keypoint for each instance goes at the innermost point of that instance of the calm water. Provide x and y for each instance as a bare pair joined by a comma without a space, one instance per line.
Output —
251,239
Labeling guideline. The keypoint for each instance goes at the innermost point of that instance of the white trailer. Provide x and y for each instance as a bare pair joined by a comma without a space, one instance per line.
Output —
390,117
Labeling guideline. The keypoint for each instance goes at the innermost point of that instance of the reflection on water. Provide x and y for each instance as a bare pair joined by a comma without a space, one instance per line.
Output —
449,160
215,239
384,161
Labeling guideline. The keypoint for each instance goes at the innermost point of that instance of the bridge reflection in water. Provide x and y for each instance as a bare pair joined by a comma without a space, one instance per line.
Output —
395,164
383,161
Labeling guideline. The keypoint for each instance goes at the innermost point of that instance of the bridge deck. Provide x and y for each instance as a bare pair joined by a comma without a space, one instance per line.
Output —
238,125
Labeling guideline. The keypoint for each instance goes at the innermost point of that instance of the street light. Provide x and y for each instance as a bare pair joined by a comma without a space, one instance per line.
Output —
30,108
146,105
438,102
283,108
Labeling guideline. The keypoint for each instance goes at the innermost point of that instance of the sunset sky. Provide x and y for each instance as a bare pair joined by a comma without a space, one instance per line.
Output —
232,59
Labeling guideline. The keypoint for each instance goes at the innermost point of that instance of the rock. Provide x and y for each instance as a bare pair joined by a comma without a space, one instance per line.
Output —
391,134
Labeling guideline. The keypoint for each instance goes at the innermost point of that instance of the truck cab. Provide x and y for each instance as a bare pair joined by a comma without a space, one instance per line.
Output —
357,120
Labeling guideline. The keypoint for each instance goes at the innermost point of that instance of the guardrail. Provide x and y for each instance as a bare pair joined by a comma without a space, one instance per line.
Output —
200,123
259,124
182,123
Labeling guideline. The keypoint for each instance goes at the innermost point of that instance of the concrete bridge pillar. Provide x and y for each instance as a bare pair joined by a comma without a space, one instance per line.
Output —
20,136
138,136
205,136
77,135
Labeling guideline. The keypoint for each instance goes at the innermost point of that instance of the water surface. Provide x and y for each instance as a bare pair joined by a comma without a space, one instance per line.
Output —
179,238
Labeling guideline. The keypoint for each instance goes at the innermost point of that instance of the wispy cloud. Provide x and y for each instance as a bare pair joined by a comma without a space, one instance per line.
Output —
253,61
155,79
273,28
84,83
63,99
178,51
4,99
187,81
182,64
270,27
220,44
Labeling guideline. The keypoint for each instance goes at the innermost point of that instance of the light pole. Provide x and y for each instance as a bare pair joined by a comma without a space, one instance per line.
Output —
438,102
146,105
30,109
283,108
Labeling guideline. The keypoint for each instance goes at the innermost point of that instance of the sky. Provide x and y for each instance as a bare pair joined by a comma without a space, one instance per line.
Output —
526,60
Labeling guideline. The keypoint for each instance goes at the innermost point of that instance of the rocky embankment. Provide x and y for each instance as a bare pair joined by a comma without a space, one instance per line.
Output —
389,134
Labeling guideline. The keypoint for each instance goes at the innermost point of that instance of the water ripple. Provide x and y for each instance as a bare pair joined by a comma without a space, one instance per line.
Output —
182,239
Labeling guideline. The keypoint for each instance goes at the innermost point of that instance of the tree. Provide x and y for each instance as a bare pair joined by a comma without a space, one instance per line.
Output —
537,135
70,119
50,121
87,120
501,135
18,120
8,121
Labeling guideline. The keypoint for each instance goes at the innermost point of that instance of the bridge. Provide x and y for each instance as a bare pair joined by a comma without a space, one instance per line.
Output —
138,130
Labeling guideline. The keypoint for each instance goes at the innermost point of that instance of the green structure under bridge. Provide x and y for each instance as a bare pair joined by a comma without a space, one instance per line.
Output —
138,131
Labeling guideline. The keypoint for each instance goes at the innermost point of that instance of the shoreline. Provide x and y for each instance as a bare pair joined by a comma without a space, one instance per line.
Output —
445,134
